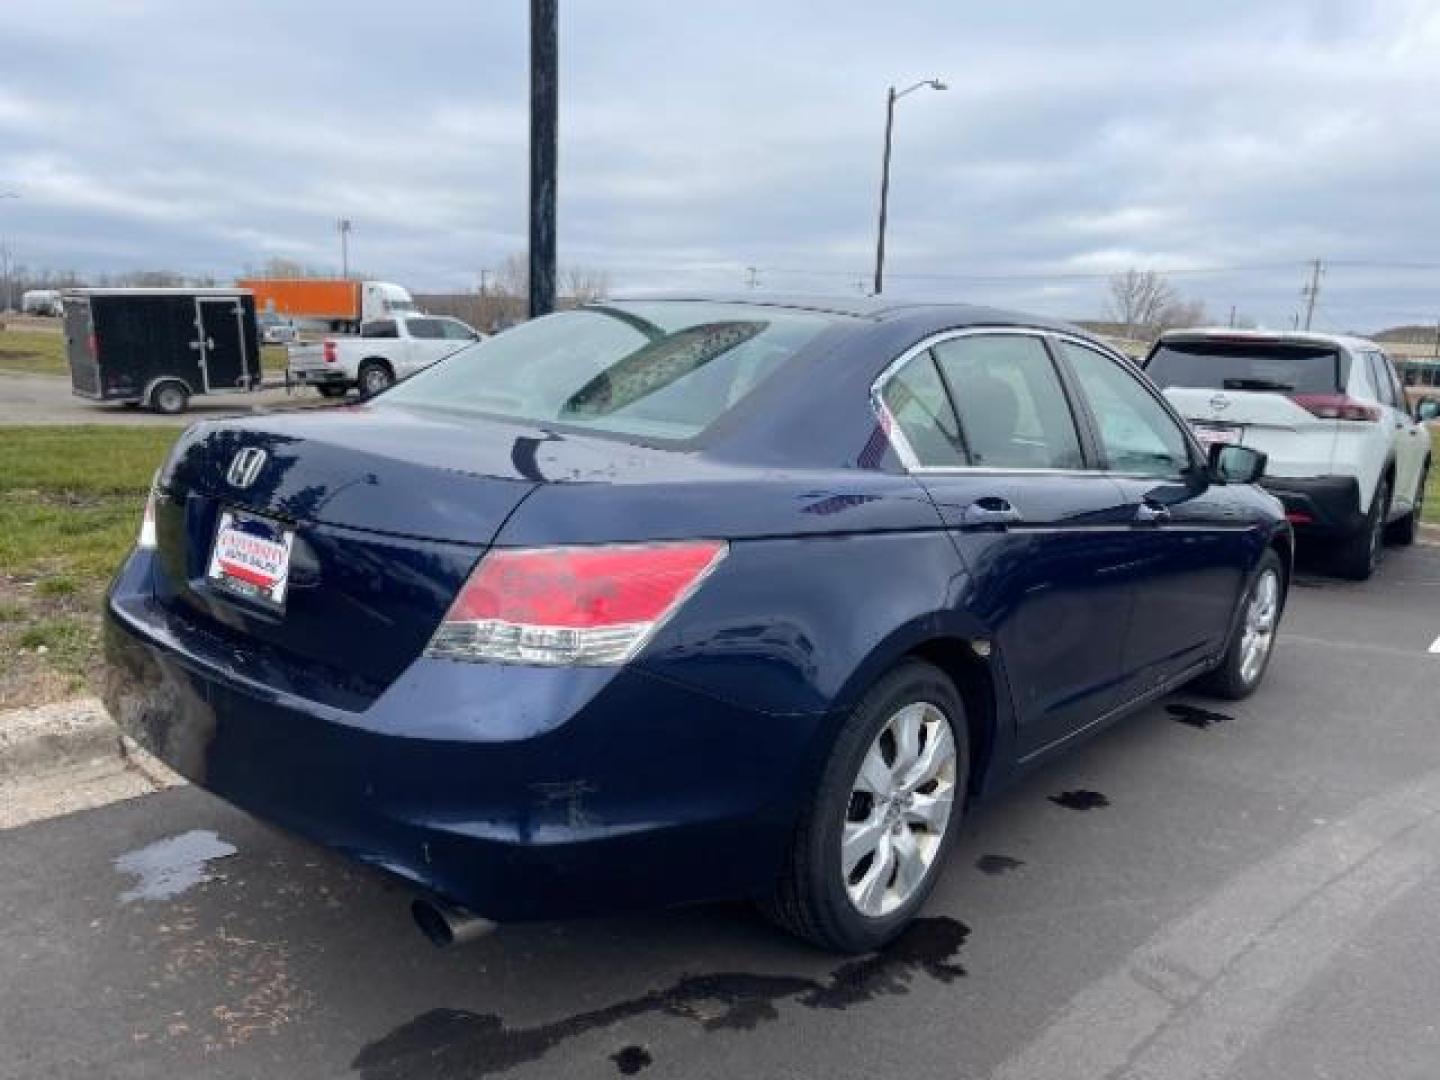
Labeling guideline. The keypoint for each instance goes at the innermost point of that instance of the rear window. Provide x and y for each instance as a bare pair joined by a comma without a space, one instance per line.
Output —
1229,365
663,369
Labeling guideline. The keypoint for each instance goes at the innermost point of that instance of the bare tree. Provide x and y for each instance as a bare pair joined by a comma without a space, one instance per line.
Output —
1138,298
584,284
1179,314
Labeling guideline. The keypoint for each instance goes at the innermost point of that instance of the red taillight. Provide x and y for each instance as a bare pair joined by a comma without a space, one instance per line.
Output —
1336,407
578,605
1298,517
330,350
93,344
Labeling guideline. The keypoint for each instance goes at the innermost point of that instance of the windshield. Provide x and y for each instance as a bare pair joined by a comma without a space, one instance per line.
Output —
663,369
1243,365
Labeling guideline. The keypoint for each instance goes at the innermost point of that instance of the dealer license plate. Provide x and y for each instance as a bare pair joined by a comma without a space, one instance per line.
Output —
1211,434
251,558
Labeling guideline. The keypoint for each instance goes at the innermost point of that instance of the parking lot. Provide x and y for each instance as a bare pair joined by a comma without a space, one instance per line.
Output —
1199,892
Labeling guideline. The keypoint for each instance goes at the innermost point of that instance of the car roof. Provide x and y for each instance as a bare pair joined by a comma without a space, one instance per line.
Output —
1293,337
871,308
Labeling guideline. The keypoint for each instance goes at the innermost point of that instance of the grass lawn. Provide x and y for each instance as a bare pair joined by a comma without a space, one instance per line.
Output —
70,505
35,352
42,352
1432,492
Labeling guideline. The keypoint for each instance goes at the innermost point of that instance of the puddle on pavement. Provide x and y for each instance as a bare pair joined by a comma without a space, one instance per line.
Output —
1194,716
168,867
997,864
632,1059
453,1044
1079,799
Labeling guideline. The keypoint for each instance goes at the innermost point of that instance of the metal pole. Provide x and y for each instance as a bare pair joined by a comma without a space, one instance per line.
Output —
344,226
1313,292
7,302
884,192
544,109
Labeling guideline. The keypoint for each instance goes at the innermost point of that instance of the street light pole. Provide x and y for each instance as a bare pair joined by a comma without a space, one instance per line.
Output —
344,225
7,301
891,97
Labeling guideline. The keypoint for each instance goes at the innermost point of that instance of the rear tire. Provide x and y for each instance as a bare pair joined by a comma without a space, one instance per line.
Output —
885,811
1358,556
169,398
1253,640
375,376
1404,531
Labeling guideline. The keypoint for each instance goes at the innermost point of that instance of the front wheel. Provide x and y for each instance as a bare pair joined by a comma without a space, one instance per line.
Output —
869,848
1253,640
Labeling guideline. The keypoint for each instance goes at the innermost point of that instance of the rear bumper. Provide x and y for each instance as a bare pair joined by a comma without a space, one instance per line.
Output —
320,377
517,793
1321,505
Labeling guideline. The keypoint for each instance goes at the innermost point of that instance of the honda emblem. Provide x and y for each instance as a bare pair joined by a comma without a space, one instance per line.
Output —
245,467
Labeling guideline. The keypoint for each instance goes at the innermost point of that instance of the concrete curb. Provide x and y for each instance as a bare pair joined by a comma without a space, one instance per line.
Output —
57,736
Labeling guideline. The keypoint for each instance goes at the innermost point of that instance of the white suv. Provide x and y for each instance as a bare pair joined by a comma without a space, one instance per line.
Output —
1346,455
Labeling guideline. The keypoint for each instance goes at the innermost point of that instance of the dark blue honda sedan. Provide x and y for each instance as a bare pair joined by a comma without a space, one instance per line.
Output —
665,601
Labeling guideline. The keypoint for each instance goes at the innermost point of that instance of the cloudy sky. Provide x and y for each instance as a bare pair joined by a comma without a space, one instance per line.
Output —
1226,143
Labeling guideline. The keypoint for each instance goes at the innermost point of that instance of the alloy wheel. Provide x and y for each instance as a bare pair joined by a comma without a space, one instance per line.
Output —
1258,633
899,809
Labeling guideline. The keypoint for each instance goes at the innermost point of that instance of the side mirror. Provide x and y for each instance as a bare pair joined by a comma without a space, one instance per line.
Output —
1231,464
1427,408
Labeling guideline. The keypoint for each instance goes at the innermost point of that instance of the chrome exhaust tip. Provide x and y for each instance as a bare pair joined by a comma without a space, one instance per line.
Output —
445,925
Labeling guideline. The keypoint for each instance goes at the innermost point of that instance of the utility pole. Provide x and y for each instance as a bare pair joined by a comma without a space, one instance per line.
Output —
343,226
544,121
1437,341
1311,292
752,281
1232,316
484,281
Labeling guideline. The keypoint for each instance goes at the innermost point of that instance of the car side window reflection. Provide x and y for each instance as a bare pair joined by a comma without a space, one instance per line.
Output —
1013,411
1136,434
917,401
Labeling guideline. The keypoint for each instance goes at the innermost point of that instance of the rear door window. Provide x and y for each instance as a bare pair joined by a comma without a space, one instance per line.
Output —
383,329
426,329
1012,407
1380,379
921,409
1244,365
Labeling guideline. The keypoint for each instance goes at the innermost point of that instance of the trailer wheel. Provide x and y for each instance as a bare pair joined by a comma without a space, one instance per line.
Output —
170,398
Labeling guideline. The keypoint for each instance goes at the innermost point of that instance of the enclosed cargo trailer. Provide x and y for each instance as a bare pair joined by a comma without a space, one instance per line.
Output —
161,347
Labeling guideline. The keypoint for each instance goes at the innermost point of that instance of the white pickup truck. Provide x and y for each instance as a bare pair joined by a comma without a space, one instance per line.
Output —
384,352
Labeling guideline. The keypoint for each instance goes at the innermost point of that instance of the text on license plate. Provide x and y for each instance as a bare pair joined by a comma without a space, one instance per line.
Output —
251,557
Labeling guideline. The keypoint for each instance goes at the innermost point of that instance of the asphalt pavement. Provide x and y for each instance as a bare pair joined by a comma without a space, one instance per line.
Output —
1206,890
48,399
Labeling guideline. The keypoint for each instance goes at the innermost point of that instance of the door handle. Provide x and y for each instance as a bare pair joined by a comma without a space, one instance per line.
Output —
990,512
1150,513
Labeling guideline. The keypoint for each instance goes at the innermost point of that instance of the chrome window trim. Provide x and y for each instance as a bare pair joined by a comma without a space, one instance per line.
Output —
906,453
